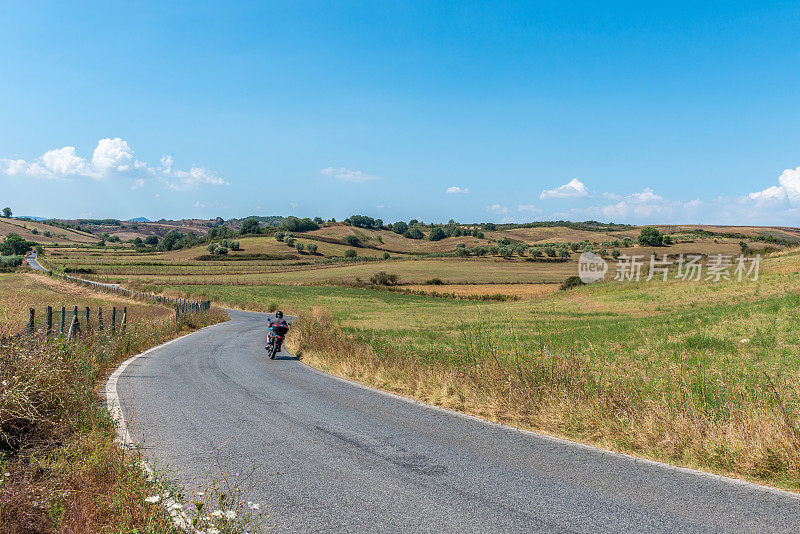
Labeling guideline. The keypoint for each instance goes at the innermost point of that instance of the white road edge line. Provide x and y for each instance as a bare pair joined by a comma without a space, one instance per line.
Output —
179,516
567,442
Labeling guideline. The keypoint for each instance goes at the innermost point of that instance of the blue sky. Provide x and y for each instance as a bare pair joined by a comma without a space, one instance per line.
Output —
675,113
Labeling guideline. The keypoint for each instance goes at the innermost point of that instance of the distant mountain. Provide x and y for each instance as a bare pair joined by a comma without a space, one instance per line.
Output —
32,218
139,219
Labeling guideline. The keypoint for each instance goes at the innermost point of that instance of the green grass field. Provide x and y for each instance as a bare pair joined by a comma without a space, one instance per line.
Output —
654,368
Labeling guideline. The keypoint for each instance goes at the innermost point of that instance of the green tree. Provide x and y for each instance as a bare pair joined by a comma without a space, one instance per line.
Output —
250,226
312,248
151,240
437,234
352,241
14,245
279,236
650,237
400,227
350,253
414,233
299,246
386,256
7,213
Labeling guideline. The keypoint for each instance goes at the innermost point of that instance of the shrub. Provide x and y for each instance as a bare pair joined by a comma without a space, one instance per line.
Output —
400,227
650,237
434,282
615,253
506,252
350,253
550,251
250,226
536,252
352,241
414,233
572,281
437,234
10,261
221,251
279,236
386,256
383,279
14,245
299,246
151,240
504,241
489,227
626,242
461,250
289,241
212,247
564,252
667,240
294,224
312,248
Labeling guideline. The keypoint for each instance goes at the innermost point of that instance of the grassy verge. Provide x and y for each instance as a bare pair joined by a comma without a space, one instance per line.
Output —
61,468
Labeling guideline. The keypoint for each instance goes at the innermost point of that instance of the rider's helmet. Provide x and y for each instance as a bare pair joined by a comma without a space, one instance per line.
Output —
279,314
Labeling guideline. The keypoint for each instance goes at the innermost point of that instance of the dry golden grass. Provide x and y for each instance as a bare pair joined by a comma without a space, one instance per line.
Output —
522,291
21,291
58,235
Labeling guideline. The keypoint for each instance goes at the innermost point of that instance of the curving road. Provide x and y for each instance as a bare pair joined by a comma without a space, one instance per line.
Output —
351,459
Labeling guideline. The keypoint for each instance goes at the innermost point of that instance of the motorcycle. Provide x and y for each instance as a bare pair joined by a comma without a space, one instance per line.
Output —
274,346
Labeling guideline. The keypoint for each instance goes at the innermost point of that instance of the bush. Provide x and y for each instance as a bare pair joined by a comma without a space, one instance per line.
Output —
312,248
151,240
221,251
383,279
386,256
212,247
10,261
536,252
414,233
289,241
299,246
572,281
352,241
437,234
564,252
461,250
279,236
434,282
250,226
293,224
615,253
14,245
650,237
400,227
350,253
550,251
667,240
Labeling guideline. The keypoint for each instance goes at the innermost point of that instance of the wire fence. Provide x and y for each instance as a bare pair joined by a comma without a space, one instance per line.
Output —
71,323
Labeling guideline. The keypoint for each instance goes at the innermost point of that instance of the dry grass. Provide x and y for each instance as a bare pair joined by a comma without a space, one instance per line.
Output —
522,291
67,474
59,236
21,291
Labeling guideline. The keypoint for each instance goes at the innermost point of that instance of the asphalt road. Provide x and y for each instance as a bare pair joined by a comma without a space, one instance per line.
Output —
351,459
33,263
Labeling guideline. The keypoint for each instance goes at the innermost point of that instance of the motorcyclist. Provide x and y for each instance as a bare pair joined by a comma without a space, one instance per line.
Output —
277,325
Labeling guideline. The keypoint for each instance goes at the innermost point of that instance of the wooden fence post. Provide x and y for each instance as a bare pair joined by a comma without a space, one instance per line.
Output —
124,322
63,314
87,326
113,319
99,319
74,328
49,321
31,320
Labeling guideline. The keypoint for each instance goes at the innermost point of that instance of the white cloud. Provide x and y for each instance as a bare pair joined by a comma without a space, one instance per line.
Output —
528,207
498,209
612,196
198,204
572,189
455,190
347,175
112,158
788,190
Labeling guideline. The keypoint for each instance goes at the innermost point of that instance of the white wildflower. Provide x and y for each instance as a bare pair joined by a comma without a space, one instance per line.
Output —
230,514
216,513
175,506
212,530
200,493
745,340
253,505
153,499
